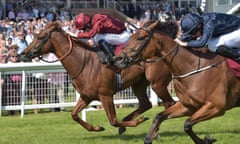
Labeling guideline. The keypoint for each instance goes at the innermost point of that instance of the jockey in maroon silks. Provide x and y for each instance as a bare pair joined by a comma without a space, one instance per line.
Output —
101,29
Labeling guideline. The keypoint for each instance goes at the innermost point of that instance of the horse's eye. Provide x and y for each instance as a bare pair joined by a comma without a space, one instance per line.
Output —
140,38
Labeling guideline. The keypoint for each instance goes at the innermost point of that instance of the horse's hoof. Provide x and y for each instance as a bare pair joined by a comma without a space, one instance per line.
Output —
146,118
99,128
147,141
143,119
121,130
209,140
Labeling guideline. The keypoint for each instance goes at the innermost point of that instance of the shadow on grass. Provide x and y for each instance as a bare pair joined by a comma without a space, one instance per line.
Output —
131,136
128,137
116,136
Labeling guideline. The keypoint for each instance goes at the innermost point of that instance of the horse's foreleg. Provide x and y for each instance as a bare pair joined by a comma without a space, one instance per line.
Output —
108,105
144,103
81,104
174,111
160,88
207,111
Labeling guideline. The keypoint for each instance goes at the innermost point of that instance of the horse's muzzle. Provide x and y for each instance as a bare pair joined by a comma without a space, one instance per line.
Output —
25,58
120,62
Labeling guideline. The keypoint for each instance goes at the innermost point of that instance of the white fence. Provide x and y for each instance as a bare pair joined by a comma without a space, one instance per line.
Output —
28,86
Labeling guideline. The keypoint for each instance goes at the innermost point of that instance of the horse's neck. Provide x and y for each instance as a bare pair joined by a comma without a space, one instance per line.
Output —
70,58
184,60
81,61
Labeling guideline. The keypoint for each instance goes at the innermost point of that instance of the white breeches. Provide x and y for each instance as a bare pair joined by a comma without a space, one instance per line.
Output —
113,39
231,40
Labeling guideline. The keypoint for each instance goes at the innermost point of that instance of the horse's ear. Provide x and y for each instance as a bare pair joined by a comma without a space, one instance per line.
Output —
153,25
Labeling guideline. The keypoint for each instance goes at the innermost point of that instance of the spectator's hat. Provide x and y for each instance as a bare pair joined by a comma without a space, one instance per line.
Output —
14,46
9,38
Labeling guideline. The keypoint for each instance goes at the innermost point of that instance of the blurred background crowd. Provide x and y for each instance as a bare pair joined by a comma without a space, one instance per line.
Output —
17,28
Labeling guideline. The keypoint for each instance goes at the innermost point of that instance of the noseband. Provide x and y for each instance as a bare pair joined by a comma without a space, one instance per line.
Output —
43,41
137,54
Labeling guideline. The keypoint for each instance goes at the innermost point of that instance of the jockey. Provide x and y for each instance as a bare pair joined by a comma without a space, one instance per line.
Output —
217,30
101,29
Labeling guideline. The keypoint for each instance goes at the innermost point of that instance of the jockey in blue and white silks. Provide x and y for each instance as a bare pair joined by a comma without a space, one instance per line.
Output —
221,32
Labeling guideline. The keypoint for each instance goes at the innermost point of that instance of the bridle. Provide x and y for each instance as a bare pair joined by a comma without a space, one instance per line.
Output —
137,54
43,41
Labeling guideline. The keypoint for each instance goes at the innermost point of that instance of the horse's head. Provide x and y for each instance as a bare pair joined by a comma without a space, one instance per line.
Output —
145,43
41,43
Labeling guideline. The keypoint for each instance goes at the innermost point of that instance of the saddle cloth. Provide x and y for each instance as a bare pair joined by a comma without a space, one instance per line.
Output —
235,67
118,48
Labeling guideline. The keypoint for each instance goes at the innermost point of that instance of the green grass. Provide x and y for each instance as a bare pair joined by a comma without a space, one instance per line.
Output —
59,128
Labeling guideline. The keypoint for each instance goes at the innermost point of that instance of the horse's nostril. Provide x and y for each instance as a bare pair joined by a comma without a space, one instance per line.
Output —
118,58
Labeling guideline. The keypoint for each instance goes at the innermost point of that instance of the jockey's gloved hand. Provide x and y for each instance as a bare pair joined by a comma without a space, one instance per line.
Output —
70,33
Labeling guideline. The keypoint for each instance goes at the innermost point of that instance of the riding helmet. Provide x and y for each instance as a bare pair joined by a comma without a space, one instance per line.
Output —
82,20
189,22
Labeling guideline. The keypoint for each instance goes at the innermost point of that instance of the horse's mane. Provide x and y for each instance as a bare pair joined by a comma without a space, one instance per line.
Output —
57,26
82,43
169,27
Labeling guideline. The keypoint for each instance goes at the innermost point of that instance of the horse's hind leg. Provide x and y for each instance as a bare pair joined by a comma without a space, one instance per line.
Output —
140,91
207,111
176,110
81,104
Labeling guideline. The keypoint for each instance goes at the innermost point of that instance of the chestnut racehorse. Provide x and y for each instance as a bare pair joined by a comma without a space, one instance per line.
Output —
203,81
95,81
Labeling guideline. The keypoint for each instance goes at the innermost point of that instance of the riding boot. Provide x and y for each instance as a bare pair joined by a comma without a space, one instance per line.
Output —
107,48
229,53
101,55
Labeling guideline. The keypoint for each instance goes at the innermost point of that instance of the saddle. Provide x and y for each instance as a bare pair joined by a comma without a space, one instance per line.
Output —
106,52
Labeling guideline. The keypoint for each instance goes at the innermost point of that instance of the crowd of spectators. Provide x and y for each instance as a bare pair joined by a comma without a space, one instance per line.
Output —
160,10
19,26
16,33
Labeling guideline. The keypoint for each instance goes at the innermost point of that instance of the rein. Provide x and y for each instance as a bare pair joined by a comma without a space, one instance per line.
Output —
69,50
146,42
136,56
162,57
62,57
68,53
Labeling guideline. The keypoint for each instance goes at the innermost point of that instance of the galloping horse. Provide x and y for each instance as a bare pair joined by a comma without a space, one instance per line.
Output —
95,81
203,81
